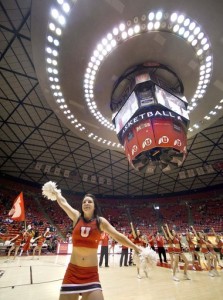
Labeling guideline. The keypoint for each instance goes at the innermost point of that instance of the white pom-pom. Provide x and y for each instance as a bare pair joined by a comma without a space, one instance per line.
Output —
146,260
7,243
149,255
50,191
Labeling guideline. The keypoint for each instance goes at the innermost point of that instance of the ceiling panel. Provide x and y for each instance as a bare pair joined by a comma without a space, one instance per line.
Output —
31,133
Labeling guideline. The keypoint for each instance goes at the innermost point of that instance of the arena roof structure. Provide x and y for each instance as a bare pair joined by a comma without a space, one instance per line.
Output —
59,61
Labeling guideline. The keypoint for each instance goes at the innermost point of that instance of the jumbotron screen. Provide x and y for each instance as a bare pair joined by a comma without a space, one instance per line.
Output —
126,112
171,102
144,96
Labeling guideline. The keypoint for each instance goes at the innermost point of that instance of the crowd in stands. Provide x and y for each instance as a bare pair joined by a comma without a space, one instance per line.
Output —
204,211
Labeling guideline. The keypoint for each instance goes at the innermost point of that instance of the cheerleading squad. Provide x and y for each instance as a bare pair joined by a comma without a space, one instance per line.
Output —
89,229
173,244
195,240
25,240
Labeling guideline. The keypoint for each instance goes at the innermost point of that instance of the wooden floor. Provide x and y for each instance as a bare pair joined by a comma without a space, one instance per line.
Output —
27,279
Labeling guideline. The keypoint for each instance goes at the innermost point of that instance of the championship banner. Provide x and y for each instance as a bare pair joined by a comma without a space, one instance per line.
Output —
17,212
196,172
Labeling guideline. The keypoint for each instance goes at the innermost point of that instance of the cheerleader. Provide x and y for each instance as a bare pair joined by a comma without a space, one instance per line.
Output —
17,243
28,235
219,242
204,248
170,249
151,240
192,250
178,253
112,246
140,242
81,277
40,241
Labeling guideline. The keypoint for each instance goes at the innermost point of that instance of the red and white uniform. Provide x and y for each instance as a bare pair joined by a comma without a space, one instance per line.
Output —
220,245
176,241
18,240
80,279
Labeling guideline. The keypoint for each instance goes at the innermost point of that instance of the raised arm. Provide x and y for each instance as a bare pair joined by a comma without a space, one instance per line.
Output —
72,213
14,238
38,237
51,192
168,232
165,234
212,229
133,231
195,232
217,237
116,235
187,235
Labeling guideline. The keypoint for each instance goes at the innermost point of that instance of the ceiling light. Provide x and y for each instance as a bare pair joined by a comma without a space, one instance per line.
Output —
206,47
124,35
66,7
130,31
122,27
180,19
176,28
192,26
194,43
109,36
55,53
54,13
137,29
157,25
56,42
173,17
151,16
197,30
186,22
186,34
190,38
61,20
150,26
181,31
115,31
199,52
52,26
58,31
159,15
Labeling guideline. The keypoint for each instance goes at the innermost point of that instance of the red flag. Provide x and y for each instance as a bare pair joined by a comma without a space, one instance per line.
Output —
17,211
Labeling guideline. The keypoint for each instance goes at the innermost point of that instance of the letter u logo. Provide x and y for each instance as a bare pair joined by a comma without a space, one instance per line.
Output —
85,231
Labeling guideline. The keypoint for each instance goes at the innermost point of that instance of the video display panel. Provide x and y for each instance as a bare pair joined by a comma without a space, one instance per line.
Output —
126,112
171,102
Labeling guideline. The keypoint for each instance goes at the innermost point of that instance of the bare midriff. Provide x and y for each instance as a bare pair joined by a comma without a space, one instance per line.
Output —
84,257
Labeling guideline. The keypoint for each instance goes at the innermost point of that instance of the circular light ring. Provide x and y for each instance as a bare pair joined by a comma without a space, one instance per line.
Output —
206,118
56,24
177,24
162,22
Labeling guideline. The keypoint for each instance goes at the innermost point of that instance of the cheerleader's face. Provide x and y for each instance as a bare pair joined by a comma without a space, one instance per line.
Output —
174,232
88,205
138,232
206,237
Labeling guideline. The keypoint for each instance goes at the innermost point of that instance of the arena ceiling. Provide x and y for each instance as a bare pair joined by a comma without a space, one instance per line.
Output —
38,140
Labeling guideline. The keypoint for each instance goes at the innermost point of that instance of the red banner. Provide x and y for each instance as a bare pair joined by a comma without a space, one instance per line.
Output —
17,212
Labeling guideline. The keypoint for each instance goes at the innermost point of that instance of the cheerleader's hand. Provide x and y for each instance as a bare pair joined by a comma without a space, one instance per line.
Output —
137,250
50,190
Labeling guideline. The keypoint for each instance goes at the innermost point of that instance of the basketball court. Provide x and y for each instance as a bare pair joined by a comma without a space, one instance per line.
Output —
33,279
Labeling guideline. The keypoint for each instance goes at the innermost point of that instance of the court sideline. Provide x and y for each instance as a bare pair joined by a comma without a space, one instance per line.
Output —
33,279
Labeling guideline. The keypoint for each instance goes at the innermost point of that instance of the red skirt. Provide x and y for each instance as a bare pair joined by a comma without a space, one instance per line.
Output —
78,280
